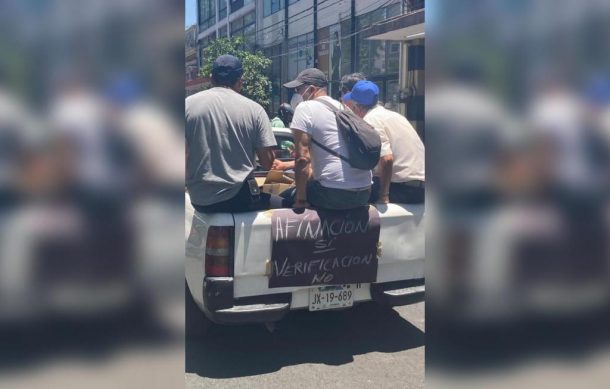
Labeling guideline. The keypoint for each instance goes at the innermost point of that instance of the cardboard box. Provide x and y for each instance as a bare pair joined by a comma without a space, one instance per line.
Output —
276,182
278,177
276,188
260,181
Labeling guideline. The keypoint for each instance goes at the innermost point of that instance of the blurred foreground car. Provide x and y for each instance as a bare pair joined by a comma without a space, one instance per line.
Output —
511,240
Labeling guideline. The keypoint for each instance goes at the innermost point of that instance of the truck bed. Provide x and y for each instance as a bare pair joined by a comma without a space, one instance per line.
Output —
402,237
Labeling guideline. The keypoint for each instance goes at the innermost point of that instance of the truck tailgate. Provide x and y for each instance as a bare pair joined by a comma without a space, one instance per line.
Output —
402,252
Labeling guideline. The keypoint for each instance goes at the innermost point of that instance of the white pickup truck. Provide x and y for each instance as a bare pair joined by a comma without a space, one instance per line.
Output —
228,268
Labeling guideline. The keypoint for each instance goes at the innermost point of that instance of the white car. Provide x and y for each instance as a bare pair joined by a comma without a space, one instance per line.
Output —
233,273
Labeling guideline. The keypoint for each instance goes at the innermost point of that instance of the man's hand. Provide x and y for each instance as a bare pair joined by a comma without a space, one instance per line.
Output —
266,157
277,165
281,165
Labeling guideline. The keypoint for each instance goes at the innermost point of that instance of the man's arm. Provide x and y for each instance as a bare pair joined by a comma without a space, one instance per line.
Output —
302,167
385,177
265,140
265,157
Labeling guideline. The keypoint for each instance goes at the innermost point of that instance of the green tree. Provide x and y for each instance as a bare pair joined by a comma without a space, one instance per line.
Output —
255,82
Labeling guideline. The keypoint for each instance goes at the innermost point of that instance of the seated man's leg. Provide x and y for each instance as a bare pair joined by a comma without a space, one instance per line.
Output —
374,191
400,193
288,197
330,198
241,202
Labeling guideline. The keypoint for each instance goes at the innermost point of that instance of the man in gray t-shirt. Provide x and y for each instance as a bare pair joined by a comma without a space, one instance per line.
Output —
224,132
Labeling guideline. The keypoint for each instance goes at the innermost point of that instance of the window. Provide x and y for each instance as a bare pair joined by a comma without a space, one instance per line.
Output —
272,6
300,55
250,34
393,59
346,48
363,21
246,27
236,4
377,15
274,72
391,97
205,42
249,19
393,10
335,52
414,5
222,32
377,58
222,9
207,13
237,26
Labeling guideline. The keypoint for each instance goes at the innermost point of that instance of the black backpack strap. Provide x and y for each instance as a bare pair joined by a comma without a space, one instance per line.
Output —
335,111
329,105
320,145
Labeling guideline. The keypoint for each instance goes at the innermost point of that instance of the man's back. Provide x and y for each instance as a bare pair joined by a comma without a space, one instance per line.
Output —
407,148
319,122
223,130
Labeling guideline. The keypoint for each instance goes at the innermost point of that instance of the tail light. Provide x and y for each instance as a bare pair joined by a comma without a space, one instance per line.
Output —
219,252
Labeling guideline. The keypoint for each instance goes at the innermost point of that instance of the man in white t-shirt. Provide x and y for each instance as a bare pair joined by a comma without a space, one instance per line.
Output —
400,174
322,179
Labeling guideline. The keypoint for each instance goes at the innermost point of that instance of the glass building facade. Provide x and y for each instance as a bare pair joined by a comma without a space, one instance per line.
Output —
329,48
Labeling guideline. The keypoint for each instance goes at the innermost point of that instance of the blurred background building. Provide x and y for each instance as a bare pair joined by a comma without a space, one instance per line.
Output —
193,82
382,39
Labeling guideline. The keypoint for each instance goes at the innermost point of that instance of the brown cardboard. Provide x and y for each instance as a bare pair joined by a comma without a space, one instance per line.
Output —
276,188
275,183
278,176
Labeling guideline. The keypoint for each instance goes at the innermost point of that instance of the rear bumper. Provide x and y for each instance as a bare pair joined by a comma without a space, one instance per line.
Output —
399,292
222,308
252,313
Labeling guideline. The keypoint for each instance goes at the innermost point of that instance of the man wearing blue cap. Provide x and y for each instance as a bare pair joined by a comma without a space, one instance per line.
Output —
400,174
347,84
224,132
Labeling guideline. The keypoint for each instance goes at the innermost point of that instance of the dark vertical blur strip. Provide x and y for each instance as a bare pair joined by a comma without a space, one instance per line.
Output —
91,193
518,159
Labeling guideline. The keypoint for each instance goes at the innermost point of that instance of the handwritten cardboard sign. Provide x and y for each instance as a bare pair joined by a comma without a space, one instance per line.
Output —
315,247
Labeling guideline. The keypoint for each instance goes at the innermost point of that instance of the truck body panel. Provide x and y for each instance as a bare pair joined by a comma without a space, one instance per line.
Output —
402,238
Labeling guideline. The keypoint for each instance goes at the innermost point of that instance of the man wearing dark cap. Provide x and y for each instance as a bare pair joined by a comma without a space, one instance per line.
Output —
400,174
322,179
224,132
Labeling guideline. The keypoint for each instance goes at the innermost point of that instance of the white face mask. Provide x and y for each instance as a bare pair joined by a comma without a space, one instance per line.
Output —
305,92
296,99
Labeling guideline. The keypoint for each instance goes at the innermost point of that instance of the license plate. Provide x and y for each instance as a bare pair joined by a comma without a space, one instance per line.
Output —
331,297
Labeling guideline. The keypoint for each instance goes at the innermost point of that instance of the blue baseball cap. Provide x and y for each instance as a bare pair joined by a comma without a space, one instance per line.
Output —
364,92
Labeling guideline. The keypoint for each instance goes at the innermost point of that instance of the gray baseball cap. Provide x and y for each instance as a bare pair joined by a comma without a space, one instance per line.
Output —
311,76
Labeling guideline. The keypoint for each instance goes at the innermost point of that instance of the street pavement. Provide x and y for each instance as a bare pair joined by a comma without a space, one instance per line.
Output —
369,346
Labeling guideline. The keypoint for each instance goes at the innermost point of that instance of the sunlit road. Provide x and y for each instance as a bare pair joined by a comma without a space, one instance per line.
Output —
366,347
